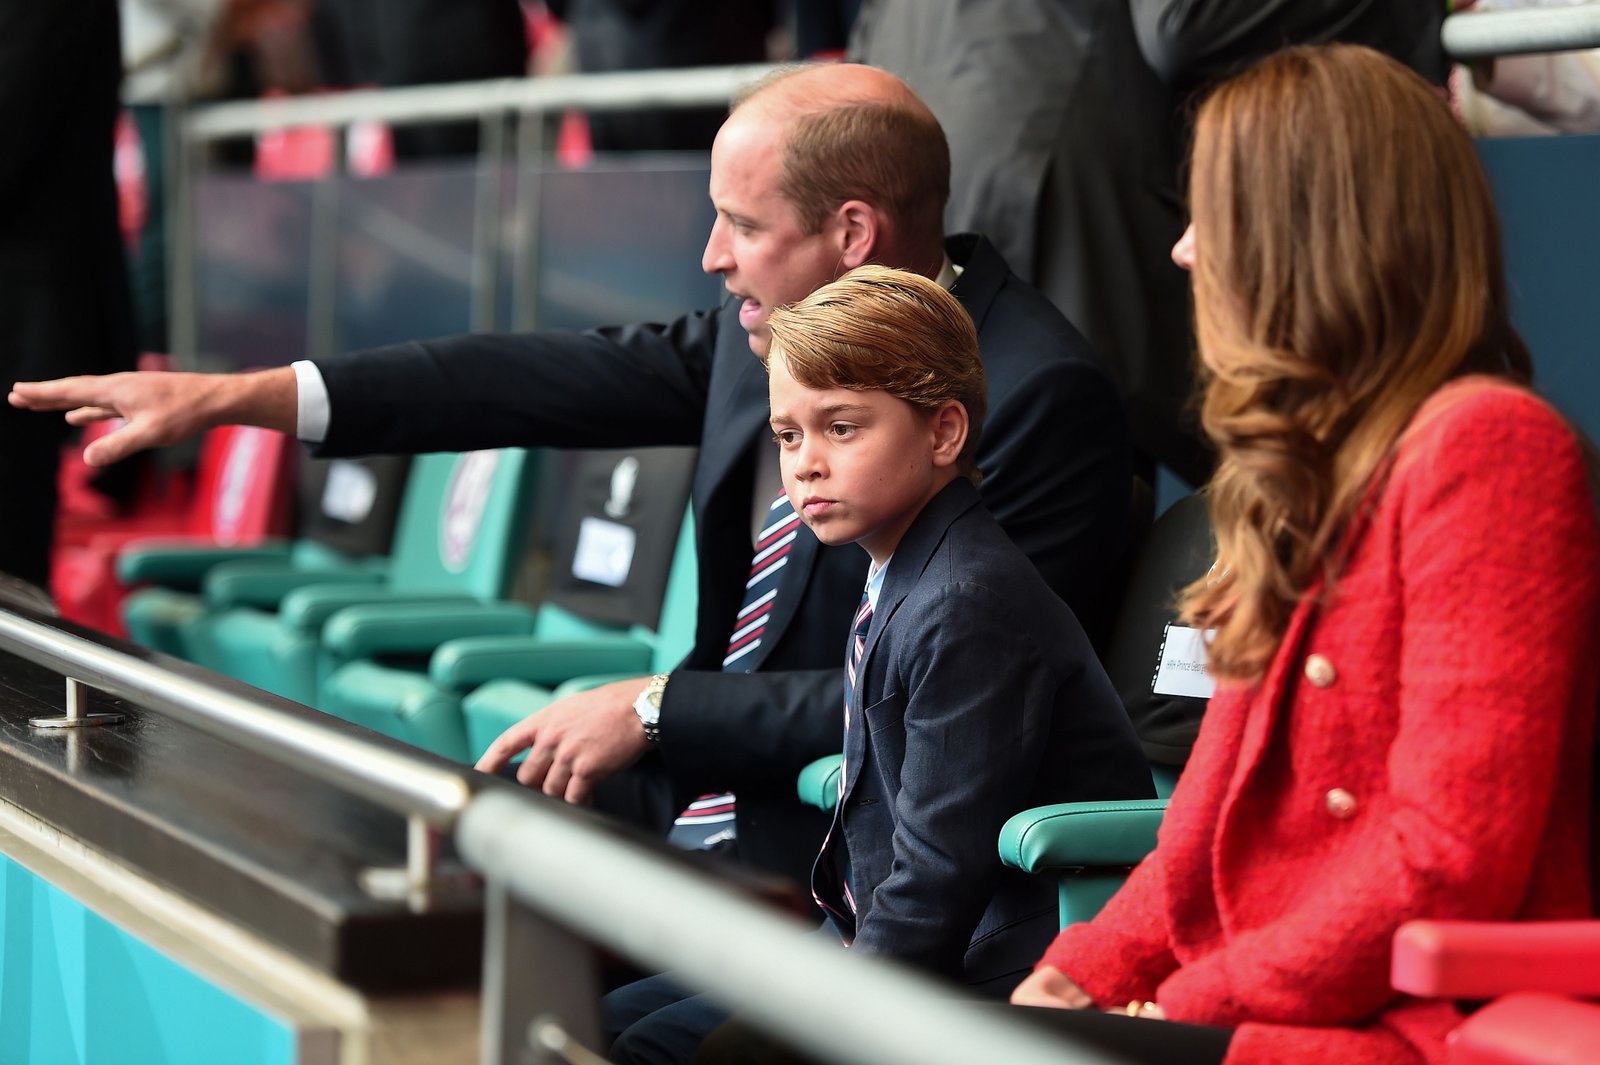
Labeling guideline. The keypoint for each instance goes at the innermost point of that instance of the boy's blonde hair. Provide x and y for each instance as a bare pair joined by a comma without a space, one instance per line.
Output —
877,329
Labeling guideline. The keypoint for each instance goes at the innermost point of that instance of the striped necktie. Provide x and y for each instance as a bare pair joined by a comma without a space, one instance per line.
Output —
709,819
773,544
832,865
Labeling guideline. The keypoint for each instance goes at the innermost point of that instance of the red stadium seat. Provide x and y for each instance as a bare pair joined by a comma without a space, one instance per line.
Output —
160,503
1538,975
243,494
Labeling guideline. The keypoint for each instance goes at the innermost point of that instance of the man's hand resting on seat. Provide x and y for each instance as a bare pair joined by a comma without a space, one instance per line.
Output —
163,408
574,743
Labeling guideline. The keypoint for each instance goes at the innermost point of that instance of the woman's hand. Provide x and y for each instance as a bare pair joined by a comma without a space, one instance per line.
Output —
1140,1008
1051,988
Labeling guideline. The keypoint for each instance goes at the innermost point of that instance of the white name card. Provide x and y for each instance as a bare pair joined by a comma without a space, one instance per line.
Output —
349,492
1183,664
605,552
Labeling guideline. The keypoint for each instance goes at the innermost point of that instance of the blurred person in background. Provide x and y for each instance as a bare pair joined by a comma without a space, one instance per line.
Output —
618,35
1067,121
64,303
391,43
1528,95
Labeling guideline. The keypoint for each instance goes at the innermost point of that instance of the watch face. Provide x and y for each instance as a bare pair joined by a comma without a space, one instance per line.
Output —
648,706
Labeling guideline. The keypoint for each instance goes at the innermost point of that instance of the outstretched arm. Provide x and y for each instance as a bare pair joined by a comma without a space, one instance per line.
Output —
163,408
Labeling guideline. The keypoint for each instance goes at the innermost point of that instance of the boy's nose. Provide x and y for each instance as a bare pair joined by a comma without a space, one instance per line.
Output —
808,462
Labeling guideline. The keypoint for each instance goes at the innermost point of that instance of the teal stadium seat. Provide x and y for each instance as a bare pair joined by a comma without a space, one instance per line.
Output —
594,619
1091,846
510,678
590,629
460,536
345,525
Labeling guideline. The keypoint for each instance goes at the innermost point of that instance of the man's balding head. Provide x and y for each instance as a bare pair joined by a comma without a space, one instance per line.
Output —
856,133
817,171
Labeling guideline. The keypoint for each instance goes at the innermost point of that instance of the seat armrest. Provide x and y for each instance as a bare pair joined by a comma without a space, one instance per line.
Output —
595,680
463,664
819,782
183,563
401,627
307,609
1482,959
1075,835
1528,1029
265,584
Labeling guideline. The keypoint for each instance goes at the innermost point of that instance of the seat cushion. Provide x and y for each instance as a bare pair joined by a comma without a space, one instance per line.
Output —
400,703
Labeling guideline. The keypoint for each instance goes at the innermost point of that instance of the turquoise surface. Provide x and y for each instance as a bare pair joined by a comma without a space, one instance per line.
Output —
77,990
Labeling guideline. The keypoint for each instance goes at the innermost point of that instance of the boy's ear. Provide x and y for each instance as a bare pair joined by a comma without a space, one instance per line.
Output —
949,425
857,227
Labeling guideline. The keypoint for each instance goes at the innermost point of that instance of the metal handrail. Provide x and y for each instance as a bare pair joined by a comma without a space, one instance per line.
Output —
683,87
515,103
1485,34
764,965
430,797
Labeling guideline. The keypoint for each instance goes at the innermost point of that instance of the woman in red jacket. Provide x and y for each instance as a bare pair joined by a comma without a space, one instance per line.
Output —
1405,602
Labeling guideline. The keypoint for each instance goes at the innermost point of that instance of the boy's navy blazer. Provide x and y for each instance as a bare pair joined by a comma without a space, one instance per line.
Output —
977,696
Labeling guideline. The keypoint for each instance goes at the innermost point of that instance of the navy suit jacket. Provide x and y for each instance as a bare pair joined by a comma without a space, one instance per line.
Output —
1054,451
977,696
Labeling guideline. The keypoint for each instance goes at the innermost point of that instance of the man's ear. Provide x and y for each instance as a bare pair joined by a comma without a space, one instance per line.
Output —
949,425
858,226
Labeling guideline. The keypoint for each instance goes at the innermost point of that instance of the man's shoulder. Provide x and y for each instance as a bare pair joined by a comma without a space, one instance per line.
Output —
1016,322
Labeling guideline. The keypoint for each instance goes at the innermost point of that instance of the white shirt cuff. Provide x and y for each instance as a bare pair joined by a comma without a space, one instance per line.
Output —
311,413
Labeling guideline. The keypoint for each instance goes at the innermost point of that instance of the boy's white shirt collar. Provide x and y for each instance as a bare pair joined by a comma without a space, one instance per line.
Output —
875,582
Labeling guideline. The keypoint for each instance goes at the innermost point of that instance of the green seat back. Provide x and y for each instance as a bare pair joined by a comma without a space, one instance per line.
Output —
463,522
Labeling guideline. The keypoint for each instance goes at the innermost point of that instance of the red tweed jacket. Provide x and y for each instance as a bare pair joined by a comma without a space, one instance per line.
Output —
1421,746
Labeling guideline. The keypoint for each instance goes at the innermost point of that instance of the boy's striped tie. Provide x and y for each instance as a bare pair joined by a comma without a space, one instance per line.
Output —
829,862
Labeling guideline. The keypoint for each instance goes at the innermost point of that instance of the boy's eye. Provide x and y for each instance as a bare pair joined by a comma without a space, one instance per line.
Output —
841,428
786,436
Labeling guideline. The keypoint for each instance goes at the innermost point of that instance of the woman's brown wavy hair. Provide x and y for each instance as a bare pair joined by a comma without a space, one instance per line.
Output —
1347,264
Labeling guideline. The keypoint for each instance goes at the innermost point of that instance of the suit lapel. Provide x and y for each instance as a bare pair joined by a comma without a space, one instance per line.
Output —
738,407
983,273
906,568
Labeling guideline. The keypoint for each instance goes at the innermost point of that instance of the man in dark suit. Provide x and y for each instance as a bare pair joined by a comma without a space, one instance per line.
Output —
64,303
813,174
